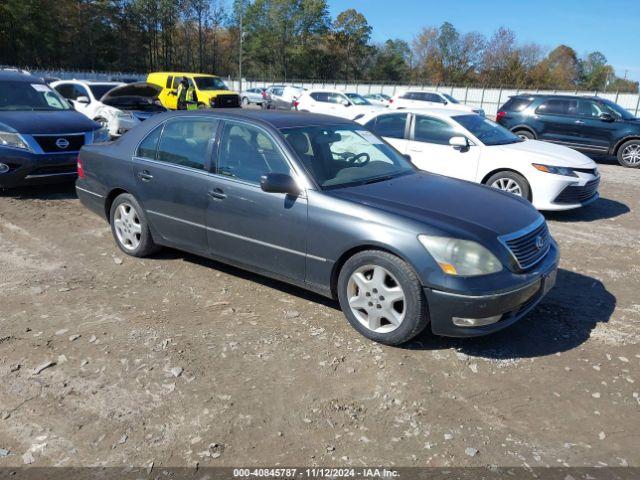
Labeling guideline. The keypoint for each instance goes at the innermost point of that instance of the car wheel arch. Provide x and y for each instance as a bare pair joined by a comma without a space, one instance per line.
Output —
110,198
506,169
527,128
337,266
622,141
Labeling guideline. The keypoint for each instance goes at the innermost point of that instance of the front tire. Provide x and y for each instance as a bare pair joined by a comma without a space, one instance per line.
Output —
245,102
382,298
629,154
130,228
511,182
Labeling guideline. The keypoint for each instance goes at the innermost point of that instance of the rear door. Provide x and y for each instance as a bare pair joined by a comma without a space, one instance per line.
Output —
558,121
265,231
393,127
430,150
171,173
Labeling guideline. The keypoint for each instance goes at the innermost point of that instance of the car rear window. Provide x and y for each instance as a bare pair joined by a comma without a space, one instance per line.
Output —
516,104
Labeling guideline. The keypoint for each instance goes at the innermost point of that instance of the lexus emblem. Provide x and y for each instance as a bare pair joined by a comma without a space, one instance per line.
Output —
539,242
62,143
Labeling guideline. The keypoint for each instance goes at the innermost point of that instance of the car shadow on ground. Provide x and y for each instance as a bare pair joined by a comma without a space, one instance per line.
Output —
58,191
562,321
601,209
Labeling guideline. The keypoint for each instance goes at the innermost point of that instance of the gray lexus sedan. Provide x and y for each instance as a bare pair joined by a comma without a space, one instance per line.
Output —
322,203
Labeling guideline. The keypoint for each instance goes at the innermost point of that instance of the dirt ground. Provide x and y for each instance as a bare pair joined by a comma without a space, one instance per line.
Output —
181,361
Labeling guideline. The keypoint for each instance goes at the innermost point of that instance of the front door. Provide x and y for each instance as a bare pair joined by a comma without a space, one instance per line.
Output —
430,150
171,173
265,231
594,133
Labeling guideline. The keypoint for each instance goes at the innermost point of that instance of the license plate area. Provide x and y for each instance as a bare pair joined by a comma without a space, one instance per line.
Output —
549,281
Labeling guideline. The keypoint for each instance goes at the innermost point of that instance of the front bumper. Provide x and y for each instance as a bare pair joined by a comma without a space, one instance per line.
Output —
28,168
511,305
555,193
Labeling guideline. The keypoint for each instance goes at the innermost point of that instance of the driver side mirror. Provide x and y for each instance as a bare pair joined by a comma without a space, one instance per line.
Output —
83,99
279,183
459,143
607,117
346,103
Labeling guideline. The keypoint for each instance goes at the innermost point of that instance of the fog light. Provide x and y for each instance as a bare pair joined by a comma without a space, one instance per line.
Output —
4,168
475,322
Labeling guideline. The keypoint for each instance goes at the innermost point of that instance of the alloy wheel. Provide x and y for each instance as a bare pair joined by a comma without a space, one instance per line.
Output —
631,154
127,226
508,185
376,298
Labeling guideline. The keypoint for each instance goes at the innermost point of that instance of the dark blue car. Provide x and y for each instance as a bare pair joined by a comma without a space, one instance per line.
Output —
592,125
40,134
322,203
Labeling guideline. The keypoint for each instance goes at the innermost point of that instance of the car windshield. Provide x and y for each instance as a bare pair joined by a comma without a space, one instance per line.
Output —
210,83
488,132
24,96
99,89
450,98
345,155
617,110
357,99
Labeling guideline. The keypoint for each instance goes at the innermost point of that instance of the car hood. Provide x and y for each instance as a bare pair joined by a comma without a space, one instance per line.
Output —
455,207
59,121
547,153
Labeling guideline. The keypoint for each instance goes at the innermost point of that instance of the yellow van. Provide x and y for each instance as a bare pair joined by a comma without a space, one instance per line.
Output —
210,90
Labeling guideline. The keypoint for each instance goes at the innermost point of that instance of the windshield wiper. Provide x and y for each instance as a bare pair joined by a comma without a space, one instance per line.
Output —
378,179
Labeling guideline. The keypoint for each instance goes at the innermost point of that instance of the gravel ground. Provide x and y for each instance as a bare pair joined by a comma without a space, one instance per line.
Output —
177,360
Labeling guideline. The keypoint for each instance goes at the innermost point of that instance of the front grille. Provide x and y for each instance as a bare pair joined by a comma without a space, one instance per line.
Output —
226,101
530,245
577,194
49,145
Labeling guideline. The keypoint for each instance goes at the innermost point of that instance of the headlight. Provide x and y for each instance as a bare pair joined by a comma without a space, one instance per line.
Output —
13,140
567,172
101,135
460,257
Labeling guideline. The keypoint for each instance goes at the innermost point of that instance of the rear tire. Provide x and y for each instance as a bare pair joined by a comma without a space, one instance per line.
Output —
130,228
629,154
244,102
364,281
511,182
525,134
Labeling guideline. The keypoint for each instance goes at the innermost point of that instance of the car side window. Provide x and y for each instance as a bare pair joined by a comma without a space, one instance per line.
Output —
558,107
336,98
149,145
169,80
320,97
79,91
187,142
392,125
247,153
433,130
65,89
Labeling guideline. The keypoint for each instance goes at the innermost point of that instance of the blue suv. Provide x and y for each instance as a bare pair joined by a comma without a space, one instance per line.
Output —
590,124
40,133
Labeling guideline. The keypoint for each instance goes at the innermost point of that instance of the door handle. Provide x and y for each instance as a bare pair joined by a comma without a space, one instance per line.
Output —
579,122
217,194
145,176
417,150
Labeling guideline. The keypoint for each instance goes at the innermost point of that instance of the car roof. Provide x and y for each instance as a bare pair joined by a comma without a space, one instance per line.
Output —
272,118
11,76
555,95
438,112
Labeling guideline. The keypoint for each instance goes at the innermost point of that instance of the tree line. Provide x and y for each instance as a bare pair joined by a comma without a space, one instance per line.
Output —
281,40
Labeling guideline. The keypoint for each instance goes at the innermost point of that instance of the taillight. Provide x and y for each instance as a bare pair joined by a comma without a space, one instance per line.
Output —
80,169
500,114
295,104
391,100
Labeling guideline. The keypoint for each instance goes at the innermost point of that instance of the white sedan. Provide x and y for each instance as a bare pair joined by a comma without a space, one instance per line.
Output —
329,102
470,147
86,98
430,99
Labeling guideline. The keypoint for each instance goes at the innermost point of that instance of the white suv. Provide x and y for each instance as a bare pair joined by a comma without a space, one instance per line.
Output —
86,98
430,99
330,102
